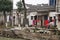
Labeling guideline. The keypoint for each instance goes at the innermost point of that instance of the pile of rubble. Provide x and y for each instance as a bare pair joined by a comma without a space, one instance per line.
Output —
30,33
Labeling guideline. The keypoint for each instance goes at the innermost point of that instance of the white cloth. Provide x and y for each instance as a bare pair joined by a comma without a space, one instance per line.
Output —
51,23
8,18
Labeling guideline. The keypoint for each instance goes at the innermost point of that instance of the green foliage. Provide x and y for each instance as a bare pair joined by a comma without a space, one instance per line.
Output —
20,6
6,5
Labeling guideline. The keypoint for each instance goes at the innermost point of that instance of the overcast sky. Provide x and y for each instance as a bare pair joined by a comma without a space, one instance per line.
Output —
34,2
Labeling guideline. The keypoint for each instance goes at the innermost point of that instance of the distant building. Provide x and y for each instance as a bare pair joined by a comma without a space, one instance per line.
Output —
58,5
58,13
40,11
52,2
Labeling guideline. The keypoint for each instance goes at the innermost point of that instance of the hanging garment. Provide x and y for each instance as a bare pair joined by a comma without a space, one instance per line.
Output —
46,22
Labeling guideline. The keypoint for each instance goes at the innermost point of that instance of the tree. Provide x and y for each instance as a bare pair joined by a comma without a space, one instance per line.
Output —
25,15
24,8
20,6
20,9
5,5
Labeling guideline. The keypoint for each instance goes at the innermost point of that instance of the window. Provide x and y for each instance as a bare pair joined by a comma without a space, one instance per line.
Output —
35,17
31,17
50,19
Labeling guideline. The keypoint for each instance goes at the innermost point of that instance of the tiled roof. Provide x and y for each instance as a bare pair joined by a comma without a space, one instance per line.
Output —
39,7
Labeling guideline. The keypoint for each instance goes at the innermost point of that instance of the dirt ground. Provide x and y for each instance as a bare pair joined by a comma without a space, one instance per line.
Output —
4,38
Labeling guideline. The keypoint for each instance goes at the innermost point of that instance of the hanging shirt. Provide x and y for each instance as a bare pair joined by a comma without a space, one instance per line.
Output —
37,20
53,20
46,22
34,21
